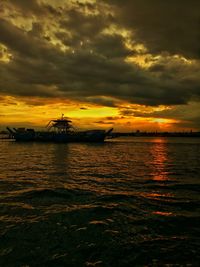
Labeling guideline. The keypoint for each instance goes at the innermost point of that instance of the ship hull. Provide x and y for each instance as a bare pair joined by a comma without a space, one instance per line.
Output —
87,136
63,132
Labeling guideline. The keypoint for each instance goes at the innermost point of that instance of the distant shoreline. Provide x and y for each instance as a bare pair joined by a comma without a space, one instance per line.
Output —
4,135
157,134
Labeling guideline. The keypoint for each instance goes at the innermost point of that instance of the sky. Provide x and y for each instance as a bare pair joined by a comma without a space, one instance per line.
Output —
131,64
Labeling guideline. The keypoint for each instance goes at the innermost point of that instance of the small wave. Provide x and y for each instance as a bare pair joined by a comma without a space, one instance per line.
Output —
53,195
172,185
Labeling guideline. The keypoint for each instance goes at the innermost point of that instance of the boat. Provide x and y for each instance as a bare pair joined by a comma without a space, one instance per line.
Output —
59,131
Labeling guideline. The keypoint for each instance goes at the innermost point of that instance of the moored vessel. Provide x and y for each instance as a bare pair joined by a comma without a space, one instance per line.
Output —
58,130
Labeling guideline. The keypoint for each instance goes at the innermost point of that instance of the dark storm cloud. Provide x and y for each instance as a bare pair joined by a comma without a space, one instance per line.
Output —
27,7
172,26
83,25
111,46
93,66
15,39
25,44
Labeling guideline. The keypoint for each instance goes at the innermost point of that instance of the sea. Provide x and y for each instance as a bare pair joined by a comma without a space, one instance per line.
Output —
126,202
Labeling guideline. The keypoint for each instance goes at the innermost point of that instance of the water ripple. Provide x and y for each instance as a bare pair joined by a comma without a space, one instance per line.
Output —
131,202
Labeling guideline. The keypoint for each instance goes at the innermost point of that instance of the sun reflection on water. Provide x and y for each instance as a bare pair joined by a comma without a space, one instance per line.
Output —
159,160
162,213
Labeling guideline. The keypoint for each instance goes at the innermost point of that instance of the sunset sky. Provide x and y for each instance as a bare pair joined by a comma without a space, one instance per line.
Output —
131,64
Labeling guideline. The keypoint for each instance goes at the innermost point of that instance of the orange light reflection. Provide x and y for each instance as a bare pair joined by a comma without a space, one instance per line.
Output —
160,159
162,213
160,173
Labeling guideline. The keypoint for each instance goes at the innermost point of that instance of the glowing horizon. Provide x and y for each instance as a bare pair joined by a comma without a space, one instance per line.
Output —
33,113
91,61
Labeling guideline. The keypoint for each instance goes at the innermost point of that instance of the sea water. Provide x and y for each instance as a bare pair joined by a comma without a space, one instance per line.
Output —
126,202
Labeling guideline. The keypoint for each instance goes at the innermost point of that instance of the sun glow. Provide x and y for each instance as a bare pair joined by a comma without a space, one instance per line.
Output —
163,121
36,112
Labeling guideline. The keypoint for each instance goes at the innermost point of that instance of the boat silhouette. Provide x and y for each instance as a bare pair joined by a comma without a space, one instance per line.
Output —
58,130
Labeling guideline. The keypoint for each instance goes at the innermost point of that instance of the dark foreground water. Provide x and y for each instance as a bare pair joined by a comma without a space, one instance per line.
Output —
128,202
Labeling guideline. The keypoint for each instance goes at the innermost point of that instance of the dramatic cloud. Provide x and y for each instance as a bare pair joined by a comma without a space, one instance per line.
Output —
102,52
162,26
